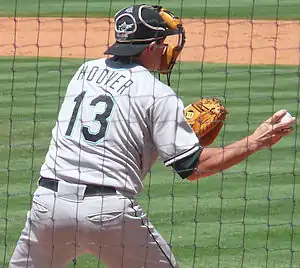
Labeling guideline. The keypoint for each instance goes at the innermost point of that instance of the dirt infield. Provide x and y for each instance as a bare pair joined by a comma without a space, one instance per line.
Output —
235,41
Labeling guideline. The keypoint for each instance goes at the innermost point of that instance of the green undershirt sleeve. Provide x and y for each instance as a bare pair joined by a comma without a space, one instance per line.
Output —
185,167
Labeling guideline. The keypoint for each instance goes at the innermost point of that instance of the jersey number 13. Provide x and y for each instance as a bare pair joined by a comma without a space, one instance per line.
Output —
100,118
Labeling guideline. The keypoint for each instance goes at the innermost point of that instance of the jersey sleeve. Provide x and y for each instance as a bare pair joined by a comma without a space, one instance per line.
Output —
173,137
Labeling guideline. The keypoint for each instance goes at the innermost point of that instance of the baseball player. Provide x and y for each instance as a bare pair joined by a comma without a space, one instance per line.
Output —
116,120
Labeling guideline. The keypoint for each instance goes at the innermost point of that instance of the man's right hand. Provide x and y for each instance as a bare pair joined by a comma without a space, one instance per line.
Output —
272,130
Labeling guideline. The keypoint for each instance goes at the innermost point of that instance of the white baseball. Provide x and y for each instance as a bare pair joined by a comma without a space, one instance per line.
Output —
286,117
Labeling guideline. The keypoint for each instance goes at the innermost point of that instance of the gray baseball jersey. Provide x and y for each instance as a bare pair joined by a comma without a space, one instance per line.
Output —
113,124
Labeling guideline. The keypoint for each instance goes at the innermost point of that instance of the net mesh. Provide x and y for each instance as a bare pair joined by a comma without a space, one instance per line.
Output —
247,54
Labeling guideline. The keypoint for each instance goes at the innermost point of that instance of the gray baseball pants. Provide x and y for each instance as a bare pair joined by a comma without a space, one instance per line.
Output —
65,224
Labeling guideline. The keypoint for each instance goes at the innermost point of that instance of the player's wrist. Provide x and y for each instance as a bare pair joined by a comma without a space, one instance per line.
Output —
253,144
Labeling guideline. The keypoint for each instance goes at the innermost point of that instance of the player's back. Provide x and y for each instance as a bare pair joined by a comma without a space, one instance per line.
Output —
103,132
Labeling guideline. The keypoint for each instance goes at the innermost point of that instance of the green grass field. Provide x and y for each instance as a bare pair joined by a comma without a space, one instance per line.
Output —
264,9
248,216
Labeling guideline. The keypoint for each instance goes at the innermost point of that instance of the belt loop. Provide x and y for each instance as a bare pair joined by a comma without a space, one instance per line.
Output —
71,191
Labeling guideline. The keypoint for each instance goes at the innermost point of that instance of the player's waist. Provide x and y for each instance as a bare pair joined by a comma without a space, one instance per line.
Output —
90,190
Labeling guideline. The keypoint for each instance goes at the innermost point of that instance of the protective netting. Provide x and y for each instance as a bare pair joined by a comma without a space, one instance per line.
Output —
247,54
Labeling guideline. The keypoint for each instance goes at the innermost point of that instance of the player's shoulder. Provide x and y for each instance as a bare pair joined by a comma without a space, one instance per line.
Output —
93,62
163,90
149,82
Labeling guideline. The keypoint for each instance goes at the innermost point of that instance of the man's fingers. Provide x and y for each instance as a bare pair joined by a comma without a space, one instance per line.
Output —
285,125
279,135
285,132
275,121
276,117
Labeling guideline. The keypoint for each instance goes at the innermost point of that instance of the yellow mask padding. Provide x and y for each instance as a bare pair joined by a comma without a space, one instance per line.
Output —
172,51
170,19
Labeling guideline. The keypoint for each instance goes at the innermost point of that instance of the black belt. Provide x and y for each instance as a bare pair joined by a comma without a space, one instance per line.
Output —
90,190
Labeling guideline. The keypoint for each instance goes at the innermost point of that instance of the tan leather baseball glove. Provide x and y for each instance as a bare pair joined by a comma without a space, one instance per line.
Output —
206,117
